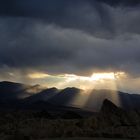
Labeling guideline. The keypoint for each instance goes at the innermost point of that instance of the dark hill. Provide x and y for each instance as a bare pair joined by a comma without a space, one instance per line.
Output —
15,91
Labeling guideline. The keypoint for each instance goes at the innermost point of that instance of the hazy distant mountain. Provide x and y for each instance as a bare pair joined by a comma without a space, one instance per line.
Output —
15,91
44,95
65,96
94,99
35,97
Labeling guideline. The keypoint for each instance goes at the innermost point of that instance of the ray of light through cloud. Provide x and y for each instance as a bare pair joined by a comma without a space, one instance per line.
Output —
106,80
88,44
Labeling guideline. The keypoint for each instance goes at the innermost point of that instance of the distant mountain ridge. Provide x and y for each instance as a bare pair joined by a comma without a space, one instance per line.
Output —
16,91
70,97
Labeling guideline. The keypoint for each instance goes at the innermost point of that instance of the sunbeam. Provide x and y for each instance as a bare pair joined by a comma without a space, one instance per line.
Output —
98,82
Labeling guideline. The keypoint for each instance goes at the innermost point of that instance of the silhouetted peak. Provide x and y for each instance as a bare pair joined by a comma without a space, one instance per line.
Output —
108,106
71,90
5,82
8,86
107,102
37,85
9,83
53,89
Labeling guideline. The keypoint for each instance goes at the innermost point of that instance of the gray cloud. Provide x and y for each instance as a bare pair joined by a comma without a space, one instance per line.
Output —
80,38
81,14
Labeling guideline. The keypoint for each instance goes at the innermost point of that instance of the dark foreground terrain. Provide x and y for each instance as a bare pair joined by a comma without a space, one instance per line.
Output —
110,122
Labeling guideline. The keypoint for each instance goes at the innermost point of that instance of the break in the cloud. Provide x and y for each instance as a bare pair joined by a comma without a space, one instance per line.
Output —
74,37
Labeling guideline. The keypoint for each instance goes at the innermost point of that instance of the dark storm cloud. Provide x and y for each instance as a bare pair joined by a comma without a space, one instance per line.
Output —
61,12
30,44
70,36
121,2
38,7
65,13
68,13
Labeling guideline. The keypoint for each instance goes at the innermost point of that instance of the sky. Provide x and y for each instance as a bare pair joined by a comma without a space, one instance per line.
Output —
59,42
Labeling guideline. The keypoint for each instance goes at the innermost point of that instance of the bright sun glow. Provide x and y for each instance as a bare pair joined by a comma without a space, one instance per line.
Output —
103,76
37,75
99,80
72,77
105,80
96,76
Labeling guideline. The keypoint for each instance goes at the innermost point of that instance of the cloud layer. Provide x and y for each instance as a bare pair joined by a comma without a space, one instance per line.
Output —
70,36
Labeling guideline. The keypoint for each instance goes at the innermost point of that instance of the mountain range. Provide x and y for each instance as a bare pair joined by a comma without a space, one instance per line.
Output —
17,95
